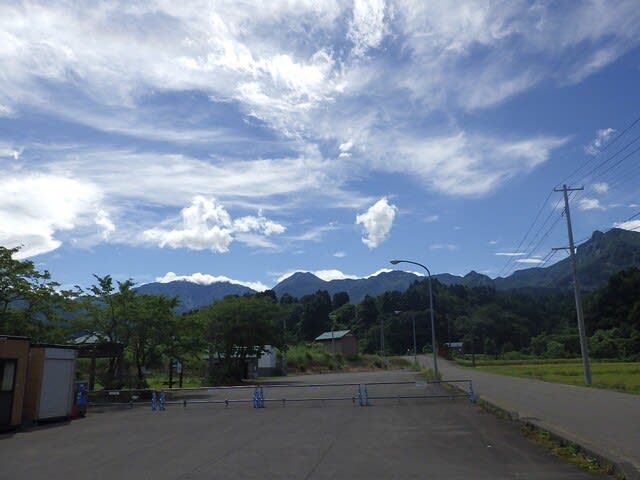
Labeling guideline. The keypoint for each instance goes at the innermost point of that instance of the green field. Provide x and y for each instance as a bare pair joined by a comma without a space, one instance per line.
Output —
620,376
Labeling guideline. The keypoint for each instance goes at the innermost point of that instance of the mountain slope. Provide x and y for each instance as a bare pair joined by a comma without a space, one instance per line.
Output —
193,295
597,259
600,257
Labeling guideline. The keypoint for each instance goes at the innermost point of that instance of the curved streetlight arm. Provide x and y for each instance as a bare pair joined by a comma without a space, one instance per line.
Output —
433,324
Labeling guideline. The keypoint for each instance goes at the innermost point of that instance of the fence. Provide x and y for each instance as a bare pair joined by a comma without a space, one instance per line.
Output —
362,394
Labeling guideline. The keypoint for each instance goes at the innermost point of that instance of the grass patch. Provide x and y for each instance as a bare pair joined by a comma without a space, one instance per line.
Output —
569,452
619,376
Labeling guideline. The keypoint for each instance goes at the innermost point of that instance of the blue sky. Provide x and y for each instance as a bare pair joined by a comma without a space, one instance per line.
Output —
248,140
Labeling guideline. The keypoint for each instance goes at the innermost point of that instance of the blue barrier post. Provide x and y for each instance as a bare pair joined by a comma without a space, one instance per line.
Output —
472,395
162,400
154,401
366,396
360,401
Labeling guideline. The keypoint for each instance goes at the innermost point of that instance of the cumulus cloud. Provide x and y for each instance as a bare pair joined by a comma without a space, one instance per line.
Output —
206,279
377,222
509,254
35,208
602,136
207,225
589,204
340,254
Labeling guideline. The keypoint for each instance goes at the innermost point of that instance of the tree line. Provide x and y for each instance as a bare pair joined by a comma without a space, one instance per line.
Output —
227,332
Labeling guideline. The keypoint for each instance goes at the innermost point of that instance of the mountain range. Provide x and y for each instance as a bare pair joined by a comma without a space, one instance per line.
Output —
597,259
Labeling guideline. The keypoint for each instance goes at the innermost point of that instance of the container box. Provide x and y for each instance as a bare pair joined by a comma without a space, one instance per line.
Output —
50,382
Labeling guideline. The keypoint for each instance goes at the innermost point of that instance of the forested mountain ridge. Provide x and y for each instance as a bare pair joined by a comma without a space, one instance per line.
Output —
603,255
193,295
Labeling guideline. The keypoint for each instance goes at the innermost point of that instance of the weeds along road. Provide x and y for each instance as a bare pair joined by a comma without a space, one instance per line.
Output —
447,438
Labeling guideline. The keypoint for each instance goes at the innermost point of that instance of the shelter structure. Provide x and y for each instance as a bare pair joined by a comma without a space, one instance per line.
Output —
339,341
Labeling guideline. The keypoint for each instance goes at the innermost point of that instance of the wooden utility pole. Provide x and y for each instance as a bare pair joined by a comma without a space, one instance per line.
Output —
584,348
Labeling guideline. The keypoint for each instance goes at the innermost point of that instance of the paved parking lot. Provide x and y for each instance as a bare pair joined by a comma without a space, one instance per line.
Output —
402,439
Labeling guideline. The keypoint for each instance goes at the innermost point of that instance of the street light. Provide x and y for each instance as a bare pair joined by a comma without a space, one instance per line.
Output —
433,325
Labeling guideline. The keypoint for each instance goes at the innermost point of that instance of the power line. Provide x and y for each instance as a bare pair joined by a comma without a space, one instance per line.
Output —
510,259
606,147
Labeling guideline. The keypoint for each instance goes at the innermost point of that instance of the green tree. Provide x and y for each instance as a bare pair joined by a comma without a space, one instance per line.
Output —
108,312
152,330
30,303
240,327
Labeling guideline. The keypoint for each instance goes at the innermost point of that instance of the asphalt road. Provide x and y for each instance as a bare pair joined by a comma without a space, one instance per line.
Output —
603,421
448,438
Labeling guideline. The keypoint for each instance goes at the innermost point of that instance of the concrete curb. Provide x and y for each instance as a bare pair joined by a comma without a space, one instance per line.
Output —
621,466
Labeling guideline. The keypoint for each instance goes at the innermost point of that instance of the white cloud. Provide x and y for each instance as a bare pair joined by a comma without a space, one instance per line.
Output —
589,204
5,111
377,222
326,275
601,187
602,136
633,225
463,164
104,221
206,279
493,242
35,208
533,261
207,225
432,218
443,246
345,149
510,254
367,27
340,254
634,205
315,234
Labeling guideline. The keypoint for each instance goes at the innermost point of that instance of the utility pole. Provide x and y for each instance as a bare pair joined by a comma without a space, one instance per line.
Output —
584,349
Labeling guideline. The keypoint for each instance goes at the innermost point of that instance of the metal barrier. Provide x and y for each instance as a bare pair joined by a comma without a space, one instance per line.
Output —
259,395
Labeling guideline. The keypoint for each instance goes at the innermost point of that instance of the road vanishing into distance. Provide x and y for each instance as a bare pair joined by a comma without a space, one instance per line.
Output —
419,438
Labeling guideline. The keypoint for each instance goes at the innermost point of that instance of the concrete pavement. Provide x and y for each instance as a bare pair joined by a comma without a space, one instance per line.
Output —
604,422
393,439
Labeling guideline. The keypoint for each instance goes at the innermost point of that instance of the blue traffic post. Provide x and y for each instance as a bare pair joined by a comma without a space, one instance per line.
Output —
256,397
472,395
154,401
162,400
360,400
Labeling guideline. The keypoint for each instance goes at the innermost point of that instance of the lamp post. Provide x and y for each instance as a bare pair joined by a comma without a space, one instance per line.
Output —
433,325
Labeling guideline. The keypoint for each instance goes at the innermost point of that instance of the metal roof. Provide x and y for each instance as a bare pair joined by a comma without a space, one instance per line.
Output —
337,334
